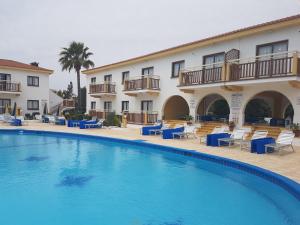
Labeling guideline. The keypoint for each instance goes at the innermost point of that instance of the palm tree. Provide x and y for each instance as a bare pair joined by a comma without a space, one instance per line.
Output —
76,56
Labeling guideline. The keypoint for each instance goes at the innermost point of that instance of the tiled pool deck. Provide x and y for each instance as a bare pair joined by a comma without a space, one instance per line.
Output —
287,164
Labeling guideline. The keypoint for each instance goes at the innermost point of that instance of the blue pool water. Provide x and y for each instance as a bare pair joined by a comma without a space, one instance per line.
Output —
48,179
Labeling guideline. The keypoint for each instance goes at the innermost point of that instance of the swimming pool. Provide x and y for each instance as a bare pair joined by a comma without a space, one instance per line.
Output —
51,178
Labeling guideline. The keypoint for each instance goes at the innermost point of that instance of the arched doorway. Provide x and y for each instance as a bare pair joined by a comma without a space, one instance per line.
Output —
213,107
270,108
176,108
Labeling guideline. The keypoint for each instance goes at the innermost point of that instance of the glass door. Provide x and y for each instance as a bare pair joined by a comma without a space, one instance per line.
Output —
3,103
4,80
147,106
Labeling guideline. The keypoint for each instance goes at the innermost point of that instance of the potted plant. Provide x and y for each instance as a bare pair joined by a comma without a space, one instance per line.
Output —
188,119
231,125
296,129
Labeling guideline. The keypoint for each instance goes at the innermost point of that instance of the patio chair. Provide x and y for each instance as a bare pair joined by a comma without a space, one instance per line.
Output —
168,133
99,124
23,121
258,134
216,130
160,130
146,129
284,140
7,118
188,131
237,135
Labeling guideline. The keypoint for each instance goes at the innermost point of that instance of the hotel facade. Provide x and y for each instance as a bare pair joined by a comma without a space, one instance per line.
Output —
216,78
24,84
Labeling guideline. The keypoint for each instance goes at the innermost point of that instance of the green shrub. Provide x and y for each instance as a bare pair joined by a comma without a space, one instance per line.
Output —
112,120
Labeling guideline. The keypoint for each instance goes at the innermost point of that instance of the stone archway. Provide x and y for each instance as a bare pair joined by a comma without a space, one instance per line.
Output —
213,107
175,108
267,107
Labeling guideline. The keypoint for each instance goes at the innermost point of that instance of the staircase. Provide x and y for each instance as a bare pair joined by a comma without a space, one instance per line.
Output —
207,127
272,131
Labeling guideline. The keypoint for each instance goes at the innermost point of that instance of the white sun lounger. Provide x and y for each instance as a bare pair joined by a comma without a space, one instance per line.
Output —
236,136
284,140
188,131
216,130
258,134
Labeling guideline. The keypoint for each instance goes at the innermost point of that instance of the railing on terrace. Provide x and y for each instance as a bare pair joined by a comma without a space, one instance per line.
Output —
142,117
208,74
103,88
68,103
10,86
142,83
98,114
266,66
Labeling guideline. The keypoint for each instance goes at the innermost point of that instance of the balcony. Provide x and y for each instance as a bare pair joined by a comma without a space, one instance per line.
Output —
142,85
267,68
7,87
102,90
68,103
141,117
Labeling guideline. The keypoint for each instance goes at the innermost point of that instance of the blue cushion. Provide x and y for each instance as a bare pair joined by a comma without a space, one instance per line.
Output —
16,122
146,129
72,123
84,122
212,139
168,133
258,145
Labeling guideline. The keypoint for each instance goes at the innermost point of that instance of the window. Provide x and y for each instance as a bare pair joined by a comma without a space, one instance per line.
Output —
107,107
4,77
33,81
93,80
3,104
147,106
213,59
125,75
272,48
125,106
177,67
93,105
108,78
148,71
33,104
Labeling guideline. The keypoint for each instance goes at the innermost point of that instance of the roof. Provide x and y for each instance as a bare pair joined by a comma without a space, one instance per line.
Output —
11,64
275,24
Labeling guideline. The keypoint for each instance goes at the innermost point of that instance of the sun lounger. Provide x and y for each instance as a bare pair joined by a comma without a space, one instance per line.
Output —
16,122
258,134
216,130
237,135
284,140
188,131
99,124
148,130
168,133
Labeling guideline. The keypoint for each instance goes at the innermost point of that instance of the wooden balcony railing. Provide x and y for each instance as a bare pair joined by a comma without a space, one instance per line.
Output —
142,83
109,88
142,117
266,66
9,86
278,67
68,103
204,76
98,114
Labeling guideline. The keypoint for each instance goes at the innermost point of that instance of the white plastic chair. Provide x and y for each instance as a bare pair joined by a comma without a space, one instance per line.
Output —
258,134
237,135
284,140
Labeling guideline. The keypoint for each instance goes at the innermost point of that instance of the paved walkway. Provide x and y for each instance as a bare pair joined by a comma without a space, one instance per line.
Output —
287,164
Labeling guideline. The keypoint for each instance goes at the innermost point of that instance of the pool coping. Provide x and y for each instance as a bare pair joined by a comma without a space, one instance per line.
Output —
286,183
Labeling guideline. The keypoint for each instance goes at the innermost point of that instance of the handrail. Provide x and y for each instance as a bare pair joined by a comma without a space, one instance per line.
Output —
10,86
142,76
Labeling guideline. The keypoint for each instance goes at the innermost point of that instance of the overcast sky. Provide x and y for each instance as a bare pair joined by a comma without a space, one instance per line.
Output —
35,30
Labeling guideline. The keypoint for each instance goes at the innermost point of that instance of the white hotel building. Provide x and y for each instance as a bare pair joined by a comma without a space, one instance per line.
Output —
258,63
25,84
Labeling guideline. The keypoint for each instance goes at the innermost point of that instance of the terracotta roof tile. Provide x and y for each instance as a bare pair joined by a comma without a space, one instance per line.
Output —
18,65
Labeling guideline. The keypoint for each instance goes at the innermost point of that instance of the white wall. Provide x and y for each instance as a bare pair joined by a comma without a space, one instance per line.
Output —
193,58
40,93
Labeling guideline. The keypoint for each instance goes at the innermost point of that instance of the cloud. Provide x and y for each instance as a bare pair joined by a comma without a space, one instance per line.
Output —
118,29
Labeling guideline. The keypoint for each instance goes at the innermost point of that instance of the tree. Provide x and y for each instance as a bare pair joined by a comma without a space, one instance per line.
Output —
75,57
